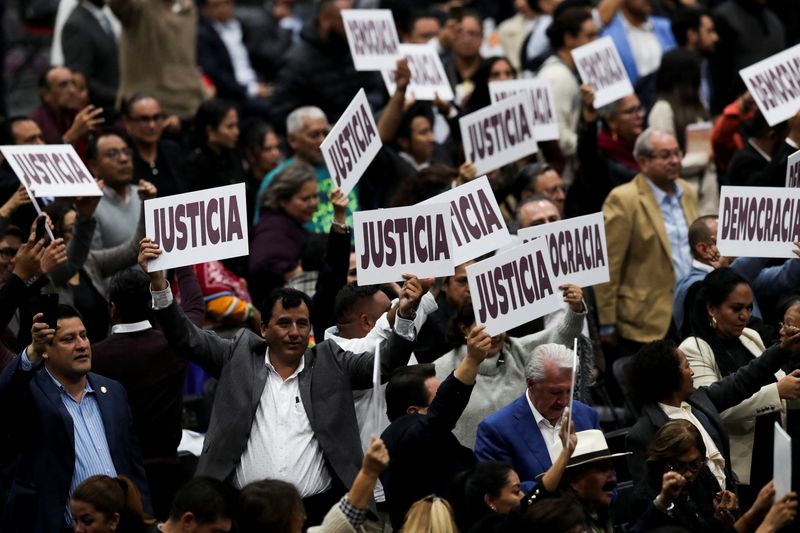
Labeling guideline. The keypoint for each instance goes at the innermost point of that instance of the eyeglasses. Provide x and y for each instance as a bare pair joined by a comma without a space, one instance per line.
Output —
682,467
146,119
9,252
667,154
636,110
116,153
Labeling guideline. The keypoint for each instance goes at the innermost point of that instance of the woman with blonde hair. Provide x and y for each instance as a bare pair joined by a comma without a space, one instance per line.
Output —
431,514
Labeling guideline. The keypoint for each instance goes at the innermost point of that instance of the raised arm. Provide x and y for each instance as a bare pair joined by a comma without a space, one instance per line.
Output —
112,260
704,365
333,275
392,115
737,387
203,347
568,328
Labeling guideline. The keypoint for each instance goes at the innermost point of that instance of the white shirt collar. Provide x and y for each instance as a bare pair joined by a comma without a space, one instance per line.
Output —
536,414
685,407
702,266
272,368
761,152
131,327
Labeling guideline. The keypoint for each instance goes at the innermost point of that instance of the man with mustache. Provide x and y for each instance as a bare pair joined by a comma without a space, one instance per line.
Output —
283,410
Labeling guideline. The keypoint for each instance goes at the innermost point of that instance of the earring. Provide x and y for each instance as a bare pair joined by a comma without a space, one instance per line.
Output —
713,321
493,508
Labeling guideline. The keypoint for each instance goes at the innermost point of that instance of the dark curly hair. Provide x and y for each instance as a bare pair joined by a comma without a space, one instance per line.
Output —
654,372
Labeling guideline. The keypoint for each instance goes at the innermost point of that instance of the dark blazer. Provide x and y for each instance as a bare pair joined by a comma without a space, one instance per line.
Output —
326,384
749,168
91,51
153,374
512,436
707,403
426,456
30,403
214,59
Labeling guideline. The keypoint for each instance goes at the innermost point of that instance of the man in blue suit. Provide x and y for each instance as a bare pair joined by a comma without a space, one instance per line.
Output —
525,433
67,423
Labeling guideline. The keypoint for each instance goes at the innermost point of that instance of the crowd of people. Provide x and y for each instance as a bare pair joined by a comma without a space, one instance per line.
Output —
686,359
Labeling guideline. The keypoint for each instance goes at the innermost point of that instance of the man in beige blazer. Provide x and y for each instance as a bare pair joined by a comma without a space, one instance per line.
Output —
647,222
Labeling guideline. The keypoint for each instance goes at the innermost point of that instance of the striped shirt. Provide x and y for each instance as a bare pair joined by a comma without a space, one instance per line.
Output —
92,454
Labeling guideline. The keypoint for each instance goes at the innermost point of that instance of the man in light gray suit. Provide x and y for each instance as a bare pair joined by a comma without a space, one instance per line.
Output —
281,410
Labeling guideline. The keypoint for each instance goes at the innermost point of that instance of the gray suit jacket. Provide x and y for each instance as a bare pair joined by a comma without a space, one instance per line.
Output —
326,384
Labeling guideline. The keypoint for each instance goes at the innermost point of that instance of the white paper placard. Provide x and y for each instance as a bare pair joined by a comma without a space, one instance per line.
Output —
793,170
351,144
758,221
545,124
782,462
197,227
576,247
478,224
403,240
775,84
513,288
498,134
51,170
600,66
428,78
372,37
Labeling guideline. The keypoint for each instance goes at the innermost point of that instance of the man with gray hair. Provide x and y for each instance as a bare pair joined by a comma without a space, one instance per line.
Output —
306,128
525,433
647,226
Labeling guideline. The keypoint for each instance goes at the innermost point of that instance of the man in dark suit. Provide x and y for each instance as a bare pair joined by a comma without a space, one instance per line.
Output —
70,424
282,410
90,47
223,56
138,356
662,381
762,161
425,455
524,433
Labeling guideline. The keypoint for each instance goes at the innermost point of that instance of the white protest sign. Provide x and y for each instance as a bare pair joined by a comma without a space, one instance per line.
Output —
775,84
498,134
545,125
758,221
51,170
572,384
197,227
782,462
600,66
372,37
513,288
577,249
793,170
478,224
403,240
352,144
428,78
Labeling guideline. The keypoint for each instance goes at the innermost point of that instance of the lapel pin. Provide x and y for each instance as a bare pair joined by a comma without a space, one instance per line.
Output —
103,390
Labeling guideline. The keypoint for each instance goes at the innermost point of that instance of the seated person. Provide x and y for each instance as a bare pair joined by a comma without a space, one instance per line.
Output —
525,433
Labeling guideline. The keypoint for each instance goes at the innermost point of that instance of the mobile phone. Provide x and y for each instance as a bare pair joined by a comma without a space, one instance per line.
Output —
41,228
48,304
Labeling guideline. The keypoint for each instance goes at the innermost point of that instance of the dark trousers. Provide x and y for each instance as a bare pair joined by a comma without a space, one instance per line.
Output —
318,505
